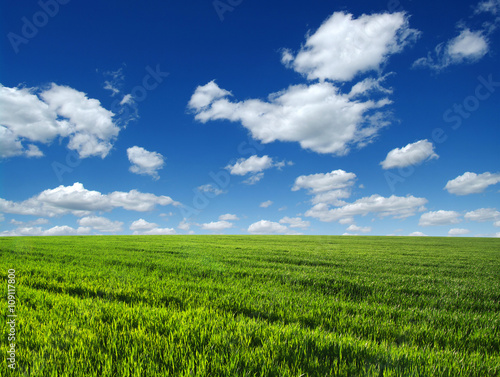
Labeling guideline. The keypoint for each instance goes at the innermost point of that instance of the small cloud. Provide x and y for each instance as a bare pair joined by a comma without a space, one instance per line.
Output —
295,222
472,183
458,232
228,217
439,218
144,162
266,204
411,154
355,228
217,225
467,47
211,189
417,234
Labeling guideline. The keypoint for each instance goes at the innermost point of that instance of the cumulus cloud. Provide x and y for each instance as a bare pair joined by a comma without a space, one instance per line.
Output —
184,225
63,230
228,217
439,218
317,116
157,232
362,229
458,232
217,225
394,206
411,154
467,47
79,201
254,165
145,162
211,189
471,183
327,188
268,227
295,222
30,115
143,227
482,215
100,224
266,204
417,234
344,46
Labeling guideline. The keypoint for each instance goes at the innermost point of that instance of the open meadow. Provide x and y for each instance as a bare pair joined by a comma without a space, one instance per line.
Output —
253,306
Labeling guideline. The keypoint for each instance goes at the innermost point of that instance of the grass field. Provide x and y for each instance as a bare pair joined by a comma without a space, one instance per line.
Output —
253,306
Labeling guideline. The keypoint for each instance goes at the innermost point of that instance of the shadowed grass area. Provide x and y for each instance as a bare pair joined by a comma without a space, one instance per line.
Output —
254,306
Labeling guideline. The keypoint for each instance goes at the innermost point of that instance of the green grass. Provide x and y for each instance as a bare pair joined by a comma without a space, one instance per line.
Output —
253,306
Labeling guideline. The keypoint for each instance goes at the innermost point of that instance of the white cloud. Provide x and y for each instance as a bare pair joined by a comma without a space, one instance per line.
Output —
254,178
66,231
458,232
467,47
253,165
317,183
317,116
217,225
145,162
184,225
439,218
355,228
344,46
482,215
489,6
267,227
156,232
211,189
266,204
496,223
34,115
417,234
228,217
143,227
394,206
295,222
63,230
79,201
328,188
472,183
100,224
142,224
411,154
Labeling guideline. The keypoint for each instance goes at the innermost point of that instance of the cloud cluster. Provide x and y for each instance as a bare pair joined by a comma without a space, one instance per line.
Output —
327,188
318,115
145,162
101,224
79,201
269,227
395,206
40,116
143,227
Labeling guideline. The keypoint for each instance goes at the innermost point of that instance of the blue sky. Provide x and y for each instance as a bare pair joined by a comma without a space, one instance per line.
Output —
250,117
